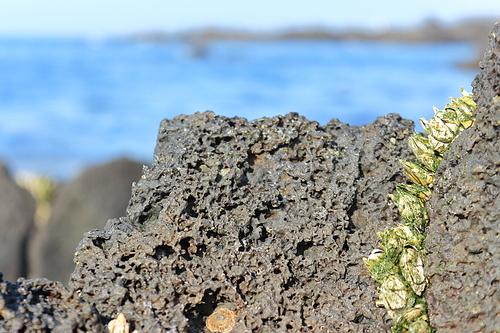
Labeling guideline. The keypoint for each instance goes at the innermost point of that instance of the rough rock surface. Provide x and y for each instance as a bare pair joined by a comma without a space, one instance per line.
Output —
17,209
87,202
463,237
41,305
272,216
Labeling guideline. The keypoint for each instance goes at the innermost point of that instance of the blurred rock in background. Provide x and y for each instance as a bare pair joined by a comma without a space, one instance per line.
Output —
82,204
17,211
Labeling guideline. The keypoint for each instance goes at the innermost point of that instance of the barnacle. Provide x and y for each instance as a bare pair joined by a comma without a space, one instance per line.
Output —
412,314
411,208
448,123
375,255
222,320
379,265
418,174
420,326
424,153
398,265
397,238
437,128
419,191
119,325
394,294
438,146
412,269
414,320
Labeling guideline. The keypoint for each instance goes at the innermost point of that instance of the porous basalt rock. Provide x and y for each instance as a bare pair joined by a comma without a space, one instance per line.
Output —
272,216
41,305
463,237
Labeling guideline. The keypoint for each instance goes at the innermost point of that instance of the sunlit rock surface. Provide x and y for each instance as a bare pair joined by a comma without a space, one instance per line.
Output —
272,216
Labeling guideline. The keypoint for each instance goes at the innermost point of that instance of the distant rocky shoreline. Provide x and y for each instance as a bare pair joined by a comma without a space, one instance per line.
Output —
430,31
472,30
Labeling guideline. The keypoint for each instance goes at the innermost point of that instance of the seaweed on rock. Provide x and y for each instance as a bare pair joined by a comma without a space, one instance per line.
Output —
398,266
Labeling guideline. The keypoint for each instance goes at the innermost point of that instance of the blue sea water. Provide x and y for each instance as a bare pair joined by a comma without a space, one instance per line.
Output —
67,104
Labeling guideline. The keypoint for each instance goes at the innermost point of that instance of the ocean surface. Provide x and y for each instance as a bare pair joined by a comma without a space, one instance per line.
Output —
66,104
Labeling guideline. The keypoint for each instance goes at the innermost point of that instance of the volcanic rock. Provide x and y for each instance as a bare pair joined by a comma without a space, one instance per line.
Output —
272,216
41,305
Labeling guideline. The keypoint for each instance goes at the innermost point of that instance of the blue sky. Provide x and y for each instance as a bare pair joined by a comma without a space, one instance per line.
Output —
100,18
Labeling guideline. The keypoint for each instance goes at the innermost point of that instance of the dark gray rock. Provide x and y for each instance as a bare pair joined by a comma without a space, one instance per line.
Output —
85,203
17,211
40,305
463,237
272,216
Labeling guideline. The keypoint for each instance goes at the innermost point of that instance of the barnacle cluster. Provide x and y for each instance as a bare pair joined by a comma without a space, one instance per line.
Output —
398,265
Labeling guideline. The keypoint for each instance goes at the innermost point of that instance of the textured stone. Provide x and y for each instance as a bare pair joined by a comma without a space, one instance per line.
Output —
17,210
272,216
463,237
40,305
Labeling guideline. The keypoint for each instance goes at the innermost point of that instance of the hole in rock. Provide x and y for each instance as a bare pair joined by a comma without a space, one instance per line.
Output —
179,270
244,247
196,314
252,158
163,251
263,234
290,283
345,247
302,247
98,242
201,249
212,234
187,246
191,201
362,320
126,258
